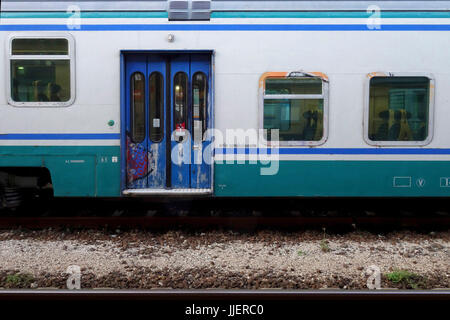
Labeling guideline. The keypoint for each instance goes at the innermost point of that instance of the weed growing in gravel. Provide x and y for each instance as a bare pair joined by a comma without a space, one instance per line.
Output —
324,245
19,280
405,277
301,253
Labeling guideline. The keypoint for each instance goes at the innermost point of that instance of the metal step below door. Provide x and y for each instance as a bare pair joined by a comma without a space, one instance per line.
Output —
180,192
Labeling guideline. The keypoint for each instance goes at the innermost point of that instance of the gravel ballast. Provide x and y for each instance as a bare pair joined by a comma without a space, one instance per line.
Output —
222,259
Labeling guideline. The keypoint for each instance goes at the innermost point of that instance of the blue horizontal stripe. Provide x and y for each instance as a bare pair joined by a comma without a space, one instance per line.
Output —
60,136
218,151
226,27
330,151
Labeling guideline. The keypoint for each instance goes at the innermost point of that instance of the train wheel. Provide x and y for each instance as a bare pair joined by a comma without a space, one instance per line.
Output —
10,198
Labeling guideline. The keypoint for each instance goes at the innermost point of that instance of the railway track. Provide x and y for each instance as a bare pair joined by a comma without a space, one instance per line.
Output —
226,222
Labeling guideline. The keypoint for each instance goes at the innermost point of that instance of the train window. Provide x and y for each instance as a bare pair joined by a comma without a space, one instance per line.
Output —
137,107
311,85
296,107
41,71
180,84
199,101
399,110
40,46
156,106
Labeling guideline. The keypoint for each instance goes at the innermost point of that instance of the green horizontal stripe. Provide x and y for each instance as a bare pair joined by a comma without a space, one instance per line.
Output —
231,14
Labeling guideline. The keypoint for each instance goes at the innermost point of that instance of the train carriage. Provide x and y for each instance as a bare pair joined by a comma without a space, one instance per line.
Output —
225,98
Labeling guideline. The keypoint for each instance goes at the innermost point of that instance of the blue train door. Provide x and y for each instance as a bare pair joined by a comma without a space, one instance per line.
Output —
167,114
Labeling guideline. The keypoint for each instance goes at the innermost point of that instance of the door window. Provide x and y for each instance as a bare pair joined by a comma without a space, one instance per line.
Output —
137,107
180,104
156,105
199,100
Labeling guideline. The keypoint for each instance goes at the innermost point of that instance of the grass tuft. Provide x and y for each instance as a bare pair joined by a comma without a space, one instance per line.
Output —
19,280
301,253
406,278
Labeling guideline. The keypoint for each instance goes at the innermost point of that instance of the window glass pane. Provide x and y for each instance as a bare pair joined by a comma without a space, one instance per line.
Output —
40,46
180,104
156,102
199,100
137,107
308,85
40,80
398,108
296,119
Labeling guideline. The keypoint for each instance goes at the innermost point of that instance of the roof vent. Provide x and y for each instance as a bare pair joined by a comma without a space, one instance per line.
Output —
189,9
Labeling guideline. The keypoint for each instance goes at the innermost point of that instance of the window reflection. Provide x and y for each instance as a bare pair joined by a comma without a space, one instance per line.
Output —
296,118
23,46
180,105
40,80
398,108
35,79
156,104
199,100
137,107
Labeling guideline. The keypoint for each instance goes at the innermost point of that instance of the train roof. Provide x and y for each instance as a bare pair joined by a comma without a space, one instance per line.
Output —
223,5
